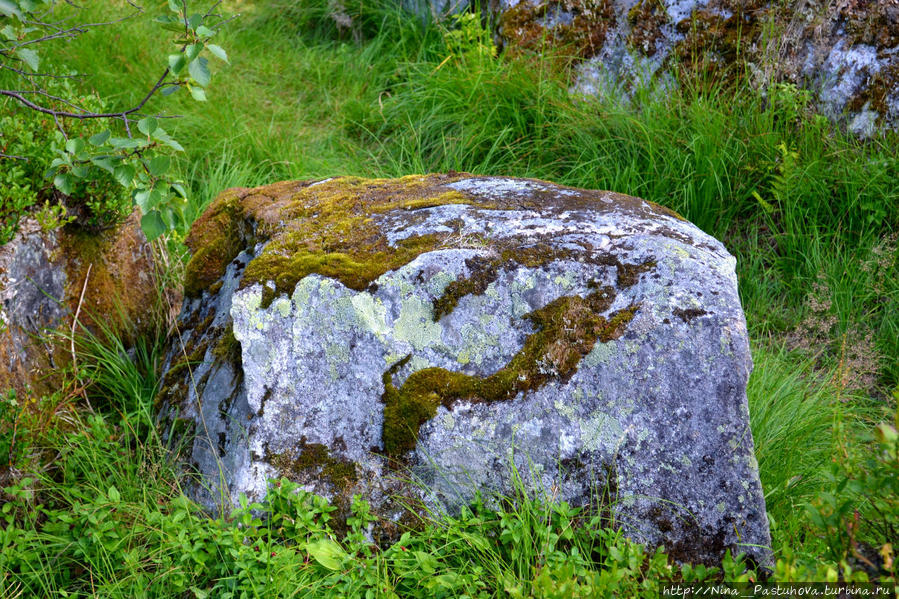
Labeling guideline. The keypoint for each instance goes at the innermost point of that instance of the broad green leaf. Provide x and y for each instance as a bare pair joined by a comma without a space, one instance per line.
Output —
81,170
168,91
154,199
124,142
177,62
199,70
113,495
174,6
75,145
141,198
179,189
148,125
100,138
152,224
326,552
159,165
8,31
204,31
63,183
192,51
30,57
195,20
218,52
104,163
176,26
198,93
124,174
164,138
426,562
9,9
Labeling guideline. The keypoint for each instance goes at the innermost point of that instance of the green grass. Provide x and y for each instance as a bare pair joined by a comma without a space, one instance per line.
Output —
810,213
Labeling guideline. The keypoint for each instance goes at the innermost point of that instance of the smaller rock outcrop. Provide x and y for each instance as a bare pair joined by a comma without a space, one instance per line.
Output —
42,277
846,53
434,337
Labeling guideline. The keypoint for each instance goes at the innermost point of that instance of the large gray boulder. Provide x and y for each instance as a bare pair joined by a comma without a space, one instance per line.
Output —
430,338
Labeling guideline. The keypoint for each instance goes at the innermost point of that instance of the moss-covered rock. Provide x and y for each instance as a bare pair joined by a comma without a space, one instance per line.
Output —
46,275
360,335
845,53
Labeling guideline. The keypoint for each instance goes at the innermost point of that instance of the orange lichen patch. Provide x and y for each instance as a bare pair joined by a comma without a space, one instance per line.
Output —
215,239
582,34
121,287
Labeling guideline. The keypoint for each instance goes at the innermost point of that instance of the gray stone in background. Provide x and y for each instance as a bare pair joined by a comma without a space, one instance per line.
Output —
658,416
847,54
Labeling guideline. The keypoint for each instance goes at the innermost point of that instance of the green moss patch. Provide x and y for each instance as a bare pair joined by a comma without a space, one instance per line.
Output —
568,328
330,228
314,460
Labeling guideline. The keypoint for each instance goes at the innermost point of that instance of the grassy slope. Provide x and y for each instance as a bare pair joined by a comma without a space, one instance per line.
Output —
822,304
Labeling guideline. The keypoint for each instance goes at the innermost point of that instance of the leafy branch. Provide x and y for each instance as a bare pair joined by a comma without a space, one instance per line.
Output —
138,160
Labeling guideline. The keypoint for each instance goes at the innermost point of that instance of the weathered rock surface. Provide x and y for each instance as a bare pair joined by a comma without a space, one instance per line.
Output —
354,334
846,52
42,275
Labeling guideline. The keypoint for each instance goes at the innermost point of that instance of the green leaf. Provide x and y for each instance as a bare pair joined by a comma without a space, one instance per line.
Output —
326,552
75,145
218,52
63,183
426,562
81,171
195,20
177,62
148,125
141,198
8,31
168,91
113,494
124,174
123,143
179,189
159,165
174,6
204,31
100,138
164,137
152,224
104,163
30,57
199,70
9,9
192,51
198,93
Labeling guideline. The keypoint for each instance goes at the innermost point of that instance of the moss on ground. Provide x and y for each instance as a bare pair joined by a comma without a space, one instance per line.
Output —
314,460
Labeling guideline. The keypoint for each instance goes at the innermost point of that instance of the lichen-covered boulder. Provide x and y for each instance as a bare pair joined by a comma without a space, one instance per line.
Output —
434,337
46,274
845,52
